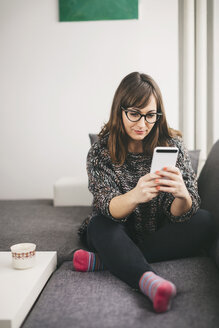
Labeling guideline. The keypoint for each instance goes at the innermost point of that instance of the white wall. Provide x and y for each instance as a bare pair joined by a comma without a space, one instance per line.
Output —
57,82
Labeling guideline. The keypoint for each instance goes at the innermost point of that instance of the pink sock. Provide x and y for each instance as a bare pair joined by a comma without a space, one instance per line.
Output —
86,261
159,290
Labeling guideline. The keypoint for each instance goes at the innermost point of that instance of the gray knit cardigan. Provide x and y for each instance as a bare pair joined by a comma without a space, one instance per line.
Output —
107,180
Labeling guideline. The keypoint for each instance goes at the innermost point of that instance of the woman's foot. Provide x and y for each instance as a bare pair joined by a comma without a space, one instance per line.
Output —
159,290
85,261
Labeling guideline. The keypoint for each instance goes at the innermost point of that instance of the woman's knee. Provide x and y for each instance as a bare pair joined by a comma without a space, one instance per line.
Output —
103,231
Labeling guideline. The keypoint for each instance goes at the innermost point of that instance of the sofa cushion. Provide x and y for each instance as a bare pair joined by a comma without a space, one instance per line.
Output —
194,154
93,138
38,221
208,186
208,183
100,300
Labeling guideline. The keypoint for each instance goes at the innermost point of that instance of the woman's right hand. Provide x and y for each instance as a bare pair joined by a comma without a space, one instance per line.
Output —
146,188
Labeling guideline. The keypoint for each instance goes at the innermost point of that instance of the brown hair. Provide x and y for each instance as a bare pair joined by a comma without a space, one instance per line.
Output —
135,90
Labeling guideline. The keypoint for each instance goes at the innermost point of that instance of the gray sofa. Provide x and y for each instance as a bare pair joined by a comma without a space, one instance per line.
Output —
100,300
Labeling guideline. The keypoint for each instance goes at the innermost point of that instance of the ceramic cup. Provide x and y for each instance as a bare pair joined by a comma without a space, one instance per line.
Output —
23,255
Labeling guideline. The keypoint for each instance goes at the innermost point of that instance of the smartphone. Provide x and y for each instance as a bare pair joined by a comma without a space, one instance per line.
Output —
163,156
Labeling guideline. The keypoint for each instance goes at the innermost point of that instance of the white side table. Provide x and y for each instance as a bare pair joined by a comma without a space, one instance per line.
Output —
20,288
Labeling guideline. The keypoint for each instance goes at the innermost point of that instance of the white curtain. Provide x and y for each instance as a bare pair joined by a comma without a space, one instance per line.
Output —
196,74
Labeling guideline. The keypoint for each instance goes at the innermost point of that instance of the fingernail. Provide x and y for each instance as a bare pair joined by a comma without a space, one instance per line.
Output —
158,187
156,181
165,168
157,172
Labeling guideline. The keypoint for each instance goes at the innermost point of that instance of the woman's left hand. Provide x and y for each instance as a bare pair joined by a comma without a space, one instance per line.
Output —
172,182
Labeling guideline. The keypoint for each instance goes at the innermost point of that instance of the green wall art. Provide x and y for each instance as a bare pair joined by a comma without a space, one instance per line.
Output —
90,10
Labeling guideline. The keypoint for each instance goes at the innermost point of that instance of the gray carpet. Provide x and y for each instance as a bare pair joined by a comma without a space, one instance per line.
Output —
100,300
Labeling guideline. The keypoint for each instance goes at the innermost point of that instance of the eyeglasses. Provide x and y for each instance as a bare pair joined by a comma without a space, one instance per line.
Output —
134,116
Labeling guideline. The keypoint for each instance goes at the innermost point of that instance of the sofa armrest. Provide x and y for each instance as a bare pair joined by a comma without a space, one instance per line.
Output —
71,191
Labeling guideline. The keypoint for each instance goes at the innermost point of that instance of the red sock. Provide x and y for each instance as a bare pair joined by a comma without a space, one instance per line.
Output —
86,261
159,290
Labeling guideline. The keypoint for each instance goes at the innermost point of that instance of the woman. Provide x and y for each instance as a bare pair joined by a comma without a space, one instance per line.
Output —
140,217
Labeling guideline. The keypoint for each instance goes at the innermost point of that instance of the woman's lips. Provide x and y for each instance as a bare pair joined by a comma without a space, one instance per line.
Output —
139,131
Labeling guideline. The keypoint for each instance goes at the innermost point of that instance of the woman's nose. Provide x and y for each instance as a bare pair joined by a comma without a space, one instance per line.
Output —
142,122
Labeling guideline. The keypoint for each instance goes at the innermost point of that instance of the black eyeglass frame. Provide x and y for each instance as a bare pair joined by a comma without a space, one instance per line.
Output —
141,115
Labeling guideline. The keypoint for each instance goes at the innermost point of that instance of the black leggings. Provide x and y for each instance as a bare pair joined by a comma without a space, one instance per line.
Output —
128,261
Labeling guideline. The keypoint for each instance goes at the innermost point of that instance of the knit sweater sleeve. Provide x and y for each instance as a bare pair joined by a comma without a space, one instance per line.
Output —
102,180
190,180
